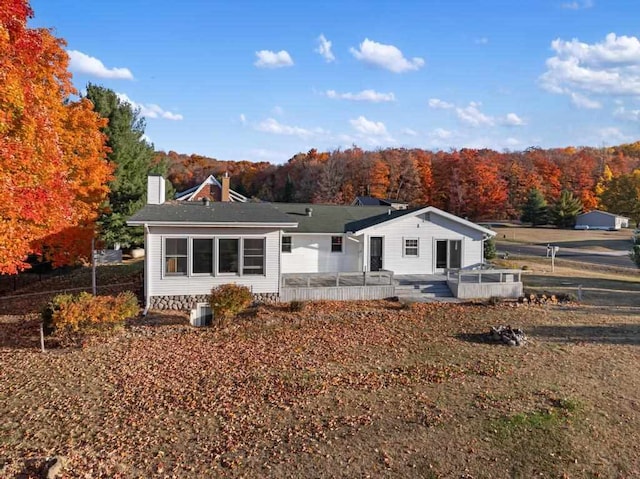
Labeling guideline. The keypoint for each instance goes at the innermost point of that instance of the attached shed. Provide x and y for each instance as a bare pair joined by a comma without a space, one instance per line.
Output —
601,220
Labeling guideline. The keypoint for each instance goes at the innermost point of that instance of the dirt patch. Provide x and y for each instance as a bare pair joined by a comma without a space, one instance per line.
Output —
336,390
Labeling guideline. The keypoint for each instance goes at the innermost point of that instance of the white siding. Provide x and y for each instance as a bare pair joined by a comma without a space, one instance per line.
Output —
311,253
197,285
427,232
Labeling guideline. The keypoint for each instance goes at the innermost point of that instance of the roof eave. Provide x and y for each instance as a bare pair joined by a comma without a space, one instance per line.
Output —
218,224
431,209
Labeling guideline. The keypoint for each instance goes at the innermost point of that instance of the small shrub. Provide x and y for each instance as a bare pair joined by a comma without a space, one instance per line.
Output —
490,249
228,300
635,255
525,267
297,306
494,301
68,313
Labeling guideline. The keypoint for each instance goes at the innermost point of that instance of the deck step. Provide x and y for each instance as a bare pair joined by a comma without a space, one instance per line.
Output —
423,290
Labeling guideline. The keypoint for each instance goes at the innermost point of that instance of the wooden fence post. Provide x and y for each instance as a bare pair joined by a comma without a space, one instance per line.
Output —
42,336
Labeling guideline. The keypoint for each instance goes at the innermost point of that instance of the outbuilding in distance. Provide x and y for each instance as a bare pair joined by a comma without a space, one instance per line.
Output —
601,220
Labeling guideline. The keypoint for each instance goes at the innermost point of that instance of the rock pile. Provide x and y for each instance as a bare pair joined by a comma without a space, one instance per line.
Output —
507,335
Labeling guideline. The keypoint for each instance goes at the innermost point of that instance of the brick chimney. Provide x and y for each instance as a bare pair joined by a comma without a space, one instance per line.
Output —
224,194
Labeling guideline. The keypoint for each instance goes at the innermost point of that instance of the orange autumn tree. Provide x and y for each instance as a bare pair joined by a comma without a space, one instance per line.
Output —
53,169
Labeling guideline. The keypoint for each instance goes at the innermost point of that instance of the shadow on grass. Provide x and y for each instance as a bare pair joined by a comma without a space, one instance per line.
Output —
476,338
20,333
624,334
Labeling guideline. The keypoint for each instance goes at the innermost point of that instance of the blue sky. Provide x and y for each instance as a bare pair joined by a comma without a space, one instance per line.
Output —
255,80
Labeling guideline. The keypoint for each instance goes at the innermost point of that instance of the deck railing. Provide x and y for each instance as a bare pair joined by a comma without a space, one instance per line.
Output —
337,279
485,283
485,275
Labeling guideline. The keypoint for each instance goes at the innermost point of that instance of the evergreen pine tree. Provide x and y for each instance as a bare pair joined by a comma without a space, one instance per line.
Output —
133,158
564,211
534,211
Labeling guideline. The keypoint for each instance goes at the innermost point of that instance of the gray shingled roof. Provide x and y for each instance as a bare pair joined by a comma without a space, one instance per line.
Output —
334,218
214,212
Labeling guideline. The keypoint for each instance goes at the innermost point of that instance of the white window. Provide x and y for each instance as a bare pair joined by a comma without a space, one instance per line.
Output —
175,256
336,244
228,255
411,247
253,256
202,256
286,244
214,255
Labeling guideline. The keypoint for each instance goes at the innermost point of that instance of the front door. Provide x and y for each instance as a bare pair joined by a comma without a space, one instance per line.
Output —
375,253
448,254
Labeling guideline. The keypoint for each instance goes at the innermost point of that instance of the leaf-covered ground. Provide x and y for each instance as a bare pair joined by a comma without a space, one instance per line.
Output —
371,389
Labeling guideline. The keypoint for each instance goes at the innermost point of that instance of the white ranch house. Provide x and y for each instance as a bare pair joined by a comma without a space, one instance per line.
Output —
279,249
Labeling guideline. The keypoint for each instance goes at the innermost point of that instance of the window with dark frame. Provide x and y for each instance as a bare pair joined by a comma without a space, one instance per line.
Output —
228,255
202,256
411,247
336,244
175,256
253,256
286,244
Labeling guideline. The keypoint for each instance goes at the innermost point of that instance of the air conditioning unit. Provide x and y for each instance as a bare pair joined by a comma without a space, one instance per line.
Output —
201,315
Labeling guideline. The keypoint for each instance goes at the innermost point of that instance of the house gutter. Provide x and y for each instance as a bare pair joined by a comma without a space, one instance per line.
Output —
147,296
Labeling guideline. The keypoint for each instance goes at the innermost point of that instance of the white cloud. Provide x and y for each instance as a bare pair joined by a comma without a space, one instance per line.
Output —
364,95
324,49
611,135
513,120
82,63
481,41
269,59
243,119
577,5
610,67
368,127
582,101
409,132
278,110
512,141
441,134
438,104
150,110
271,125
384,56
471,115
373,133
623,113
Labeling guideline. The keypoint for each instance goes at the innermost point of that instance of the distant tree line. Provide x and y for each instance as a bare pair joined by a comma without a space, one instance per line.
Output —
536,185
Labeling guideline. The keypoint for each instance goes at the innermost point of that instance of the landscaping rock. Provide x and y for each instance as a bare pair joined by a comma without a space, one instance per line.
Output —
507,335
55,469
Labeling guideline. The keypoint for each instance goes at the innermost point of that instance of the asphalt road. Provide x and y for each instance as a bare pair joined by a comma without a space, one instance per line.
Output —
617,259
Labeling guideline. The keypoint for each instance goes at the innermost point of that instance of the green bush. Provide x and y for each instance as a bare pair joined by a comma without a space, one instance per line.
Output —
84,312
297,306
490,249
228,300
635,255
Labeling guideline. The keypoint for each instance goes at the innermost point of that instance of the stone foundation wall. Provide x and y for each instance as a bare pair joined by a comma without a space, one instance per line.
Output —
188,302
